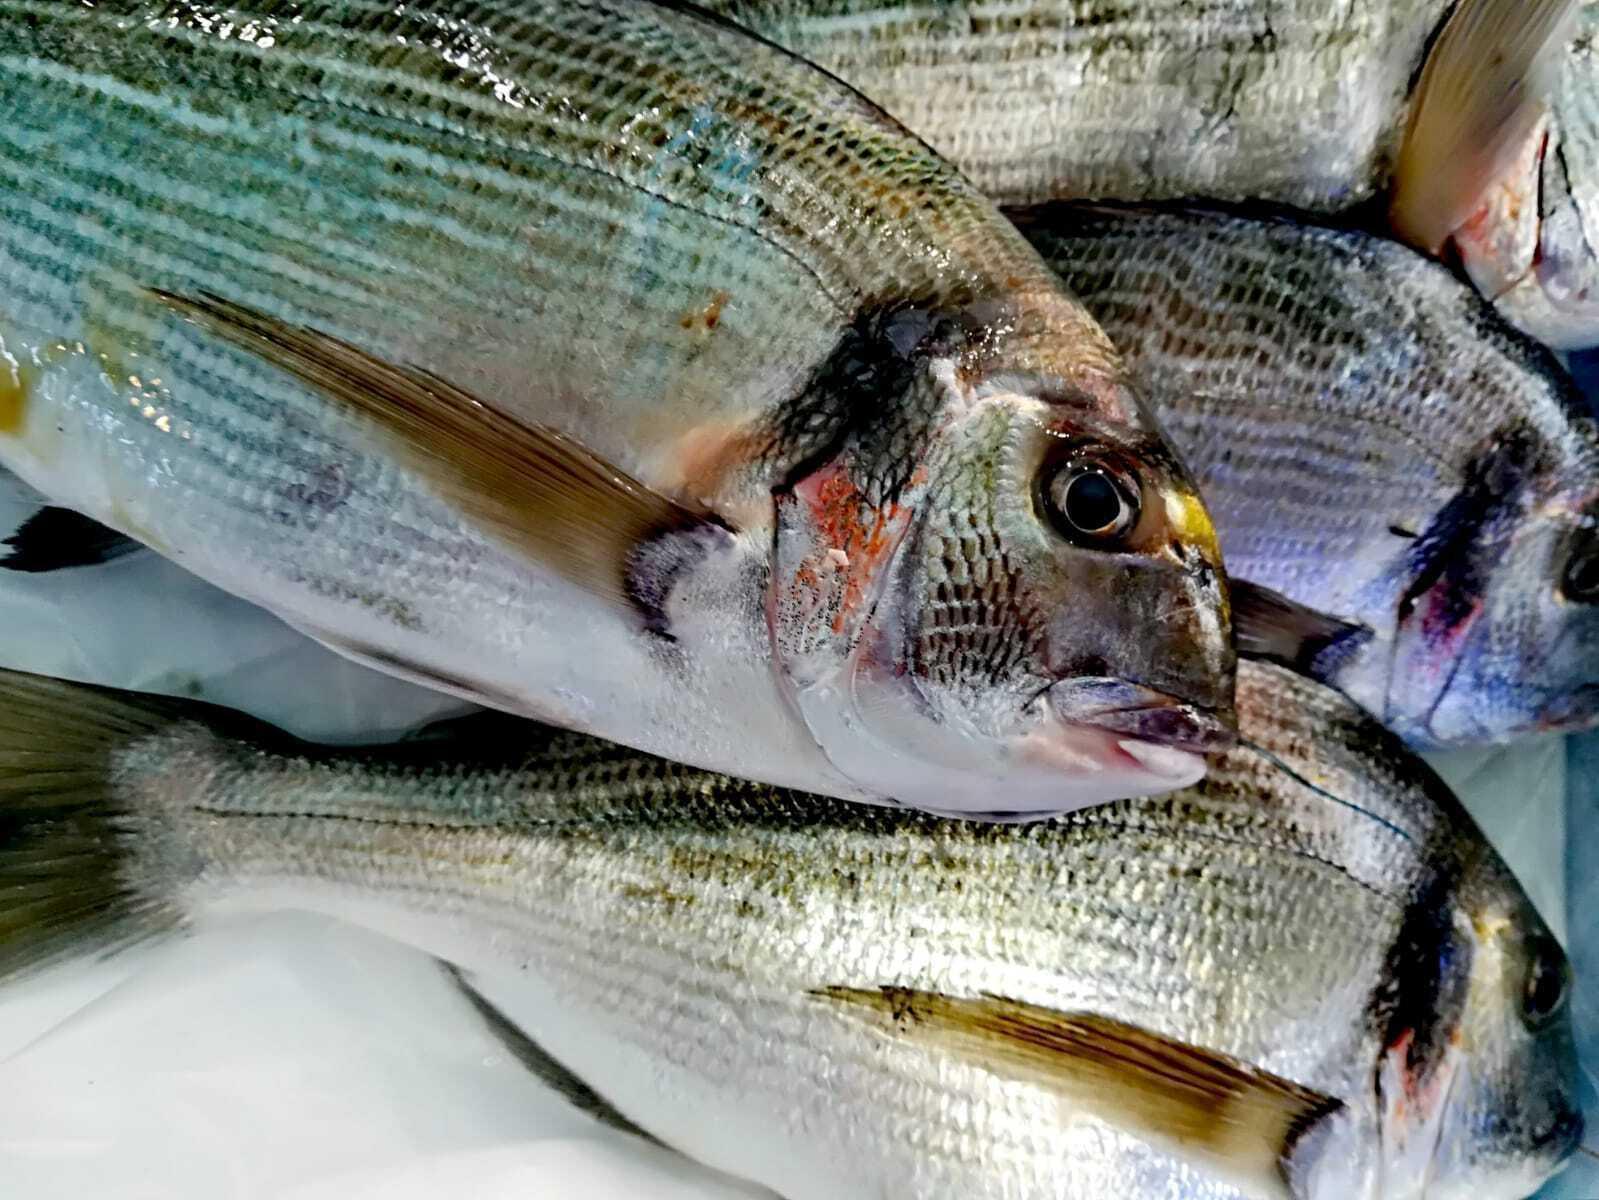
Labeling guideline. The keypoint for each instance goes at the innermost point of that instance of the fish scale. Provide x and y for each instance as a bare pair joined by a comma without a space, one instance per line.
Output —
665,932
1287,100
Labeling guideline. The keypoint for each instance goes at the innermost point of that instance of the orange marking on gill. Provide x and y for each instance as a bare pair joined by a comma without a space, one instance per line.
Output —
837,508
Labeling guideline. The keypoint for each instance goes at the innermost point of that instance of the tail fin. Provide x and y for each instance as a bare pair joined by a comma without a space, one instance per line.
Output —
65,884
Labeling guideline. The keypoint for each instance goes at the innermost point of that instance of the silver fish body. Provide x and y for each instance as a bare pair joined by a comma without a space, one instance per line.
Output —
699,259
1319,908
1299,102
1376,445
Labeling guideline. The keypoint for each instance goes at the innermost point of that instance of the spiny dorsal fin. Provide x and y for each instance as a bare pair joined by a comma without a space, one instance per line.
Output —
1241,1122
1483,89
1268,625
530,487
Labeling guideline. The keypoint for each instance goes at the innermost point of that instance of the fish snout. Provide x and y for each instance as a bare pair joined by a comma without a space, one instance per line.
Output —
1144,714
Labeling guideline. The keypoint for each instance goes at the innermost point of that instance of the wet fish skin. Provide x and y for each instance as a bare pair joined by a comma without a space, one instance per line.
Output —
664,933
569,213
1296,102
1376,445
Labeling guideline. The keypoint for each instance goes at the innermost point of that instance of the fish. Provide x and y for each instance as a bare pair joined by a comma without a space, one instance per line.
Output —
1307,976
1478,122
1416,481
605,365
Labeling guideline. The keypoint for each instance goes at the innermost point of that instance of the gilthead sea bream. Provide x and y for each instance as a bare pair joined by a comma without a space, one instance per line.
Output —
1307,977
600,363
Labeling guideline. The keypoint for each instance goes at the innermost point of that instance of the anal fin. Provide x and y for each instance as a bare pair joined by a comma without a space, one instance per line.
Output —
540,1062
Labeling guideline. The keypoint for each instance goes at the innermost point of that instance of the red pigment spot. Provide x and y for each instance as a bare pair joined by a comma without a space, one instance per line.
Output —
1444,635
708,317
844,521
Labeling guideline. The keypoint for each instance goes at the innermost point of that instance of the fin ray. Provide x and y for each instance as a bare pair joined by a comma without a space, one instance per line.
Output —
1237,1119
1268,625
1484,86
55,539
64,890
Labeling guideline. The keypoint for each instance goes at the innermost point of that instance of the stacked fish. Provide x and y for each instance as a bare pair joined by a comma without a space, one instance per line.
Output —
620,365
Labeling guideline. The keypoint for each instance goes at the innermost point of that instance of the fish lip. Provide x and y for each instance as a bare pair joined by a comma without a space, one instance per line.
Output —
1144,714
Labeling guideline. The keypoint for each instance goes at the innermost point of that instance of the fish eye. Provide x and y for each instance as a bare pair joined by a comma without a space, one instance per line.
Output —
1547,985
1090,502
1581,582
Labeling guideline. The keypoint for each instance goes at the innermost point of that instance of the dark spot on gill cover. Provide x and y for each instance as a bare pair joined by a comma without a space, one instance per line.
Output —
861,400
1422,993
1451,545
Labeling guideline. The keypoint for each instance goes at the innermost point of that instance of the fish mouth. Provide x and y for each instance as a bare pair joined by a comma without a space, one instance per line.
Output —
1144,715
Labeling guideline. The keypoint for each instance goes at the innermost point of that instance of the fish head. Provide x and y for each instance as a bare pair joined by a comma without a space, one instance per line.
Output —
1497,1096
1532,245
1037,620
1497,621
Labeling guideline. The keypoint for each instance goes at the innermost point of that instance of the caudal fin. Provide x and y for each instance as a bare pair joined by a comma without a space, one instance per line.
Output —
66,881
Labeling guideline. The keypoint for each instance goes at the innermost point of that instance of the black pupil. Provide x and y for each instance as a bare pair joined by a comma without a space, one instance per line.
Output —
1093,503
1546,984
1582,576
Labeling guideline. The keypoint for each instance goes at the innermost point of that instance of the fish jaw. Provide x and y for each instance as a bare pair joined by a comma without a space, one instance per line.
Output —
878,737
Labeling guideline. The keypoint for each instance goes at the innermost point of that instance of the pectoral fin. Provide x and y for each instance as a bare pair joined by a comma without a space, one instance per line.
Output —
1483,88
56,539
1267,624
540,1062
1239,1121
528,486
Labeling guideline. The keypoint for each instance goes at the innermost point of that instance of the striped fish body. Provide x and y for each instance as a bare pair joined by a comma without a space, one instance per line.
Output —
701,260
1296,101
686,944
1299,102
1376,445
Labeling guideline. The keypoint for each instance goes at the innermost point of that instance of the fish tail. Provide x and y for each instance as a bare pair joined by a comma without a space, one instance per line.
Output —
70,880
